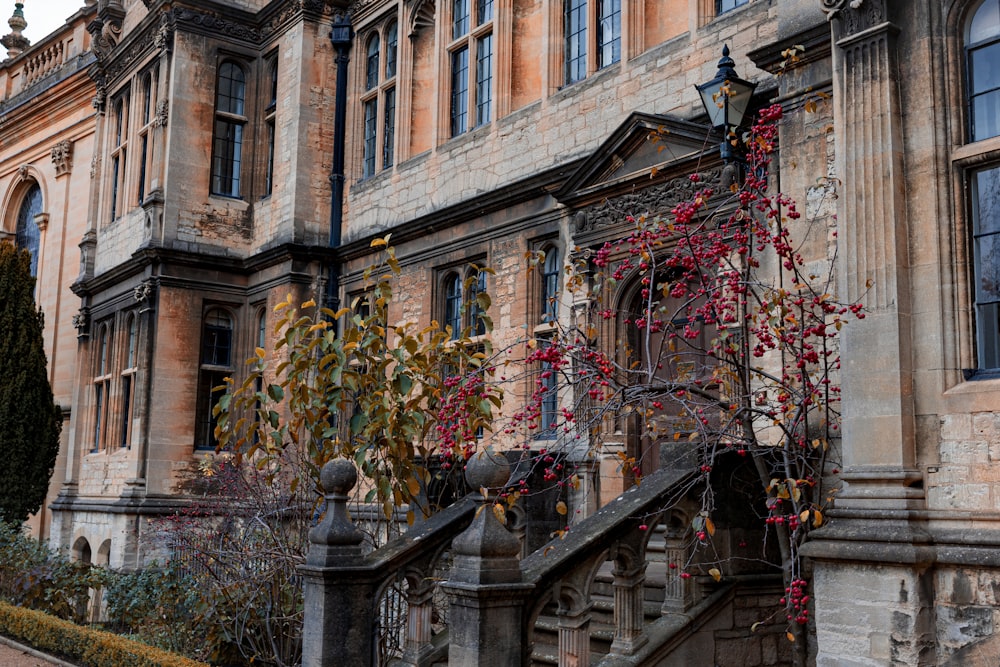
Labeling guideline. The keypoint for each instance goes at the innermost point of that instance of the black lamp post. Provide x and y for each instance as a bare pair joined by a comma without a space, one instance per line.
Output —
726,98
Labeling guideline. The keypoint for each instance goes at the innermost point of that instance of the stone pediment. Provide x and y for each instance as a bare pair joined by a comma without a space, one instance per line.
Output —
631,153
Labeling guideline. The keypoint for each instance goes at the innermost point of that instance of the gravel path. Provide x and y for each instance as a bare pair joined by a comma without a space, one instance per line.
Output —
13,654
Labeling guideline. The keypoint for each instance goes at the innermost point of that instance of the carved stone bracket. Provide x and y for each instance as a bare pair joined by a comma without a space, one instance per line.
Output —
834,7
162,113
23,171
143,292
81,322
62,157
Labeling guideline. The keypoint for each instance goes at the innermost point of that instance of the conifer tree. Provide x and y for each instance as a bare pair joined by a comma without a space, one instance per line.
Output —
29,419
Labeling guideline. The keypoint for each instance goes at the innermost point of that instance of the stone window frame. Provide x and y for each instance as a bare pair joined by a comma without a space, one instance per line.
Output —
979,349
545,313
591,36
228,163
379,74
459,307
470,64
269,100
118,145
103,373
127,376
212,373
148,95
28,233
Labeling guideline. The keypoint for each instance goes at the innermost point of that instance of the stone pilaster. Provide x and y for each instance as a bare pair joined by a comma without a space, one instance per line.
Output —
878,424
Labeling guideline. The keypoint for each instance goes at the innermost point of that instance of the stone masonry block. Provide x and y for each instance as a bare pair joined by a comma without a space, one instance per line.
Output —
964,451
956,427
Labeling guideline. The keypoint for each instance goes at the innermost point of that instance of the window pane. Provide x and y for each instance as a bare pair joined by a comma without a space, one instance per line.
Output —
371,66
484,79
131,343
232,89
986,23
453,304
550,400
27,235
147,97
609,32
484,11
576,40
371,129
391,43
143,151
986,264
472,309
984,77
459,91
389,128
459,18
217,339
726,5
227,159
550,285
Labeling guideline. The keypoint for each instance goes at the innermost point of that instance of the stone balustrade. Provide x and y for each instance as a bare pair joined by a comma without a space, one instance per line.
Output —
42,63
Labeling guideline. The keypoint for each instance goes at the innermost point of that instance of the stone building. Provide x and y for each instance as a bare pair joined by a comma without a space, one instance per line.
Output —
222,179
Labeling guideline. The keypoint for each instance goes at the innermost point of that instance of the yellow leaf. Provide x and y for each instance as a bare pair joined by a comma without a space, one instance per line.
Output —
499,512
309,304
380,243
710,527
817,518
414,486
753,628
790,637
804,516
715,573
410,518
561,507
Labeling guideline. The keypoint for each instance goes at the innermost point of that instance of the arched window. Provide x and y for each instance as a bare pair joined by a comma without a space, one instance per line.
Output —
270,112
982,48
216,366
28,236
378,101
230,122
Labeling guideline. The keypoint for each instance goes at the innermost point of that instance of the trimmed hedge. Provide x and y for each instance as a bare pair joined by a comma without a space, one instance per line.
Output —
93,648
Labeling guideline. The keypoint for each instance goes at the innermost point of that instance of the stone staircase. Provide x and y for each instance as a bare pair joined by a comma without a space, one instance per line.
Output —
603,594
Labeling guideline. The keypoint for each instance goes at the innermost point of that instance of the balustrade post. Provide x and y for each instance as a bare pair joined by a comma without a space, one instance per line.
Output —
420,607
629,616
339,591
485,589
677,596
574,637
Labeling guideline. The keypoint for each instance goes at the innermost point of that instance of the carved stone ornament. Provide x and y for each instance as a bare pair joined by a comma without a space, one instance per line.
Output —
143,291
655,200
22,172
81,322
162,113
95,164
834,7
421,16
62,157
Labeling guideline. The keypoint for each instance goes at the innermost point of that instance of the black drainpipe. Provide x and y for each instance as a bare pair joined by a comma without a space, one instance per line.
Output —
340,36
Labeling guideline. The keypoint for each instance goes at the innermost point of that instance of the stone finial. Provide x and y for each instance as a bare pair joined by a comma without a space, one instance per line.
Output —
487,470
15,42
336,535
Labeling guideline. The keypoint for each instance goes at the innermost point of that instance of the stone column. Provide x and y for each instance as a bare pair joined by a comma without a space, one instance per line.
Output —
485,588
574,638
339,592
420,607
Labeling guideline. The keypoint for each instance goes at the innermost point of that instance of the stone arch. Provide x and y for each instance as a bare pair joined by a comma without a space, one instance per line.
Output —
24,178
104,554
81,550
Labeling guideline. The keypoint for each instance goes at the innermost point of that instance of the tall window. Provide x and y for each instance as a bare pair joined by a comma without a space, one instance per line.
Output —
119,154
585,32
983,62
230,124
102,386
551,272
381,54
726,5
131,354
270,112
148,113
462,307
216,366
471,58
28,236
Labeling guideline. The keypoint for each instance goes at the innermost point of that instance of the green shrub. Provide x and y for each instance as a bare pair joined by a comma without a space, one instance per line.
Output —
33,576
93,648
158,606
